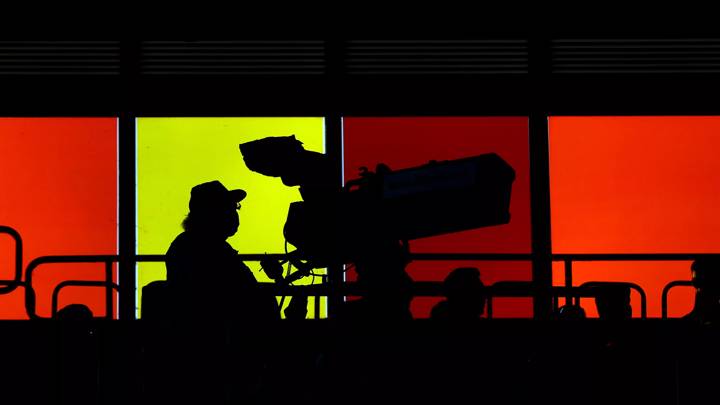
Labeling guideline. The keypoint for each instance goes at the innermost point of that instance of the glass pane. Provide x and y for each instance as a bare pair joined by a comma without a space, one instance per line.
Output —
60,191
412,141
175,154
635,185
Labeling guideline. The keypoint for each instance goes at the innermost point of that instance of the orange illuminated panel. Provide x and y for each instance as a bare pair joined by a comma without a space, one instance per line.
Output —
635,185
58,178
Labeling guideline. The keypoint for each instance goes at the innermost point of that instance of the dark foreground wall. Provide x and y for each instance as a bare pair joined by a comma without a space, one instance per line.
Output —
321,362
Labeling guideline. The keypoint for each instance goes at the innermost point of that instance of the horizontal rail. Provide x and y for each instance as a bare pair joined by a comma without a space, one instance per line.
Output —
473,256
588,257
575,257
108,260
30,296
431,289
570,258
579,257
428,289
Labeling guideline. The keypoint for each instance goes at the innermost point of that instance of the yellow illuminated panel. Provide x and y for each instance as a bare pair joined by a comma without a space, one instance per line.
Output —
175,154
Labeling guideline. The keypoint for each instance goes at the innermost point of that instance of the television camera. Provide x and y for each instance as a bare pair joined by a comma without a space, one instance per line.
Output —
337,224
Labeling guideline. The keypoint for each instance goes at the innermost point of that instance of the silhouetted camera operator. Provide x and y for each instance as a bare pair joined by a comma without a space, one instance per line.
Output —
219,302
206,277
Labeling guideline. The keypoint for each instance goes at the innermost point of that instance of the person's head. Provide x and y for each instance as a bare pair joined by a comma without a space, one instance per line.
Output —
570,312
706,274
464,289
75,312
613,302
213,209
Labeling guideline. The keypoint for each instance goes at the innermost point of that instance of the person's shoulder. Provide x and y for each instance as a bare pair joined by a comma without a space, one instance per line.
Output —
694,316
179,242
228,248
440,310
188,244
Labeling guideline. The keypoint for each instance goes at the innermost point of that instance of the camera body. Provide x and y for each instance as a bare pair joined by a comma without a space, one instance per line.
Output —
335,224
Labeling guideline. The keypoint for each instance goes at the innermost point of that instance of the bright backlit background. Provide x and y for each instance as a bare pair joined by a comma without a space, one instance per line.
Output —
635,185
618,185
413,141
58,178
175,154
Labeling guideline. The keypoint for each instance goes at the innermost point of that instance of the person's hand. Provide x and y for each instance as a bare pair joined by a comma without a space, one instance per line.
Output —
297,308
272,268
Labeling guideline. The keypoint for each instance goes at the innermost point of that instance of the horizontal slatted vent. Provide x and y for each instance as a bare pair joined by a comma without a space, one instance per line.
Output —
55,58
436,57
233,58
636,56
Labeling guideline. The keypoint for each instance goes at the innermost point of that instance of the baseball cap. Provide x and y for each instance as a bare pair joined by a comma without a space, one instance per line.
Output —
212,195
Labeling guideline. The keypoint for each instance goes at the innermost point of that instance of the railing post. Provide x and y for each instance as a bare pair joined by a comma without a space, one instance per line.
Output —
109,308
568,281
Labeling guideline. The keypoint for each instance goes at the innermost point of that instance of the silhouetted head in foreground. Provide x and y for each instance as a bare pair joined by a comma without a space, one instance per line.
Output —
705,273
213,210
465,296
613,302
570,312
75,312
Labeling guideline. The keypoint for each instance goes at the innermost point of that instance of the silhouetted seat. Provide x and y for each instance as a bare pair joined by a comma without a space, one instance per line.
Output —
77,356
75,312
156,301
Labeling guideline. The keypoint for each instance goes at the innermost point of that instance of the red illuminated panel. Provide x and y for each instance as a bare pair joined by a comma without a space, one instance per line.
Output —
408,142
58,178
635,185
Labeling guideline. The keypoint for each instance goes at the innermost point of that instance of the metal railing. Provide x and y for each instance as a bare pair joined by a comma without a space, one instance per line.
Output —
569,259
432,289
108,260
666,291
108,282
8,286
